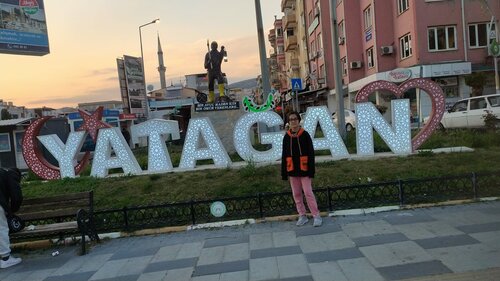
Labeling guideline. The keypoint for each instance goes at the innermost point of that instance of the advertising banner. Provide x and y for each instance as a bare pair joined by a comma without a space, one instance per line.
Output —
23,28
135,85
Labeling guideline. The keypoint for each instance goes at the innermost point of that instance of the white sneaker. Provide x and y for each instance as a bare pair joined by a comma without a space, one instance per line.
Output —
318,221
302,220
10,262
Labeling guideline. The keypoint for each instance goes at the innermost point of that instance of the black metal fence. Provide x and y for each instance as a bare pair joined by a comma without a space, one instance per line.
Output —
398,192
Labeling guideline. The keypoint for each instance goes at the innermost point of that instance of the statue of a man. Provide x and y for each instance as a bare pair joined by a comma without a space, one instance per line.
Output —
213,61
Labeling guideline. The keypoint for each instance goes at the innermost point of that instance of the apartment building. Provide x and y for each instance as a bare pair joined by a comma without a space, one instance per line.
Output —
395,40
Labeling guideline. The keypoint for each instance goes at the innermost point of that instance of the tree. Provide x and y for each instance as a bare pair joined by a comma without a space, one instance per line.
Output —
5,114
476,80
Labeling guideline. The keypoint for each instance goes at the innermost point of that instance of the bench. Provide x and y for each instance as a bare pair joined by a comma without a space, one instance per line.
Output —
58,215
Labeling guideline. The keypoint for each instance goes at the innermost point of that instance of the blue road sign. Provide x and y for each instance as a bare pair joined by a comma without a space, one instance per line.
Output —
296,84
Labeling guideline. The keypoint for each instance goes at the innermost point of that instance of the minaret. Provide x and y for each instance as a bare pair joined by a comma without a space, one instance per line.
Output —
161,66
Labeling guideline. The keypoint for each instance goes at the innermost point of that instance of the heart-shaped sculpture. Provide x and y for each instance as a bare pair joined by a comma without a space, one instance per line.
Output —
429,86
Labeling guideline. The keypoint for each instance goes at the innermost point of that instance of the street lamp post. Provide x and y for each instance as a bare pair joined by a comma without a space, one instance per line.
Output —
143,70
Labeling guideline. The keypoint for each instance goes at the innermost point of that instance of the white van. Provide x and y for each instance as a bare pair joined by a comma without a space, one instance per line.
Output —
468,113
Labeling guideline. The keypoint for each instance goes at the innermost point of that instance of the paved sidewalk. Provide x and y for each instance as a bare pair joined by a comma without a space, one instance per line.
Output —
439,243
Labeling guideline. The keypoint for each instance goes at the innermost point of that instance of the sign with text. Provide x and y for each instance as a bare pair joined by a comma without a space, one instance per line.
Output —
23,27
135,85
232,105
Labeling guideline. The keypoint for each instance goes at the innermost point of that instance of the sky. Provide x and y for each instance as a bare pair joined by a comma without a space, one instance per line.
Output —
86,37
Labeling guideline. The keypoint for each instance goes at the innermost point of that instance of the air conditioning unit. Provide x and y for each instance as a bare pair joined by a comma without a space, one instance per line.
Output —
341,40
386,50
355,64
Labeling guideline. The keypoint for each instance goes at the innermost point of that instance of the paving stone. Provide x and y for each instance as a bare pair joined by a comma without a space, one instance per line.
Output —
223,241
368,228
211,255
166,253
284,239
348,253
261,241
38,275
407,217
43,263
135,266
274,252
484,227
359,269
264,269
395,254
181,274
467,258
466,217
292,266
379,239
311,230
325,242
132,253
411,270
121,278
93,264
189,250
214,277
151,276
17,276
236,252
221,268
301,278
446,241
84,276
327,271
235,276
427,230
490,238
169,265
112,268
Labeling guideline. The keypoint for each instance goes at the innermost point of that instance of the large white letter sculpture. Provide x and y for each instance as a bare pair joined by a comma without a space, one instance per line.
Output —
111,139
156,130
64,153
242,141
214,150
331,140
368,117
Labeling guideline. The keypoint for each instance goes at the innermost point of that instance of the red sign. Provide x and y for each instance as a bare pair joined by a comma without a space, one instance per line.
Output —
128,116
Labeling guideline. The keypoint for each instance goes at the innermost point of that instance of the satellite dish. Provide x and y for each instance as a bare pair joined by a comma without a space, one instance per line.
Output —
150,87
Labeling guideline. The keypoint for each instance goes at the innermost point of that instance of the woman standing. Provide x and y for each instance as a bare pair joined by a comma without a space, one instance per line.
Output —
297,163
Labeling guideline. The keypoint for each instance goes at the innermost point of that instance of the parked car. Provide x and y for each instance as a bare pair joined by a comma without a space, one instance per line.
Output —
469,112
350,120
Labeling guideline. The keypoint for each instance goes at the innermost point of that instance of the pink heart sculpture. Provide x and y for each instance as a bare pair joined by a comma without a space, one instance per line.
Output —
429,86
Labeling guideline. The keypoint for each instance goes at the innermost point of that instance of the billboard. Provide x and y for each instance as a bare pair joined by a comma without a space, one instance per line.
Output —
135,85
23,28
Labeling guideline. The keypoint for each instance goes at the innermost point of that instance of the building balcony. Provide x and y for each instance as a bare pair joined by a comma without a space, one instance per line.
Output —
272,35
291,43
287,4
290,21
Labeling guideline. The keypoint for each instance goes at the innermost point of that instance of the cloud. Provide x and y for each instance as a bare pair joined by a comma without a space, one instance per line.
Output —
90,96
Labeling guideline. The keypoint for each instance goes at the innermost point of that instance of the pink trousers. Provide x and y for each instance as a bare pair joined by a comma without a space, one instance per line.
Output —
300,184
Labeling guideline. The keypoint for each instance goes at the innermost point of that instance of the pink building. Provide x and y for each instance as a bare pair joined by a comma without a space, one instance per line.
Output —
437,39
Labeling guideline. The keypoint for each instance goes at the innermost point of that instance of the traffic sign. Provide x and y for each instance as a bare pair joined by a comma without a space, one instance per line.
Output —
495,48
296,84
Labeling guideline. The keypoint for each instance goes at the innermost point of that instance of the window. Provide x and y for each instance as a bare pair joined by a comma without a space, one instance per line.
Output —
478,34
368,17
289,32
343,62
4,142
369,57
405,46
479,103
322,71
279,32
320,42
442,38
494,101
403,5
459,106
341,30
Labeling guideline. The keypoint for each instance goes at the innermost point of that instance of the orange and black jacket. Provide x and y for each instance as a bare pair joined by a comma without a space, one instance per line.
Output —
297,159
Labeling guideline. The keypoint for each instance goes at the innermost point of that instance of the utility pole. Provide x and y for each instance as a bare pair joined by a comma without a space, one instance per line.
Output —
337,69
266,86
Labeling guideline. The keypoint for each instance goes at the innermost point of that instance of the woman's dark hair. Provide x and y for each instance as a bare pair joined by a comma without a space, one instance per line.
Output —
294,113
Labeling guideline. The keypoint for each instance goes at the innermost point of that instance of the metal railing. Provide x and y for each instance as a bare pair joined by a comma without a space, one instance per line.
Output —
398,192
